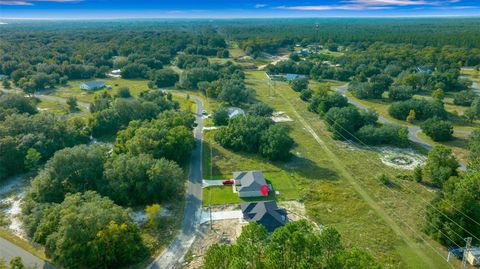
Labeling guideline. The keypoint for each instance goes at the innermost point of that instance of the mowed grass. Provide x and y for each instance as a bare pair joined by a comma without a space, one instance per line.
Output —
73,88
52,106
332,200
220,163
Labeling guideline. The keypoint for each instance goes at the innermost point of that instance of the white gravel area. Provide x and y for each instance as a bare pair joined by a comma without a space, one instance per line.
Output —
221,215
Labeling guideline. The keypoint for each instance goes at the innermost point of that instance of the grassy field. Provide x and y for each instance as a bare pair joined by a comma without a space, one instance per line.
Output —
52,106
220,163
339,188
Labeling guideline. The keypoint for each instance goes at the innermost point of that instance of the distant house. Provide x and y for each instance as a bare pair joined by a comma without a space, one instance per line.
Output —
473,256
265,213
290,77
235,111
423,69
248,183
92,85
115,73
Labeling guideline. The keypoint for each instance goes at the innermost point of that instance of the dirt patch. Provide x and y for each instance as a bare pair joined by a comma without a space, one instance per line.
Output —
281,117
223,232
406,159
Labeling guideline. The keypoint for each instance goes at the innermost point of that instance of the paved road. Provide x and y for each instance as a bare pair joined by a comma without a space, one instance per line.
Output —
175,252
9,251
412,130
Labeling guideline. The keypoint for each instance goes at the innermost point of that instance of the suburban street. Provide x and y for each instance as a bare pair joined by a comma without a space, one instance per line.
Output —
174,254
9,251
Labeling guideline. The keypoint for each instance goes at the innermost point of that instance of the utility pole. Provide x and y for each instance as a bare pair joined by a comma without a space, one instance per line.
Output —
465,251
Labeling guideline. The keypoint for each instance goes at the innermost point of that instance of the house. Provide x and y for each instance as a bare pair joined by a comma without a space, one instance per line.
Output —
423,69
235,111
115,73
473,256
290,77
265,213
92,85
248,183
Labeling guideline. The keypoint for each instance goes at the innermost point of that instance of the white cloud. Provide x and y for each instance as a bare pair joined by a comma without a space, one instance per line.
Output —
260,5
31,2
370,5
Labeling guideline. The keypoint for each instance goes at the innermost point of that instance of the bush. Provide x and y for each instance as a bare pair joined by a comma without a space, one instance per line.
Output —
220,116
165,78
383,135
464,98
343,122
299,84
322,103
306,94
400,93
423,109
437,129
124,92
260,109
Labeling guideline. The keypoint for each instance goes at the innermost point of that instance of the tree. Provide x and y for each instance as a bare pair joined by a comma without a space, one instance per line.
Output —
473,112
438,94
440,165
70,170
443,222
322,103
153,214
343,122
437,129
18,102
16,263
124,92
6,83
411,116
95,233
299,84
295,245
72,103
260,109
418,174
474,148
235,92
306,94
464,98
135,70
220,116
400,92
32,159
275,144
139,180
165,78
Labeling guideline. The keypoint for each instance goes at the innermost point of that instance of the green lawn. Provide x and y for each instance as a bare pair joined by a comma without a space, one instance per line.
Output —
220,163
339,188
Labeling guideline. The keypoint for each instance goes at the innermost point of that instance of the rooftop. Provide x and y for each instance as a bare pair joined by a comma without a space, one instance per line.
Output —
249,180
266,213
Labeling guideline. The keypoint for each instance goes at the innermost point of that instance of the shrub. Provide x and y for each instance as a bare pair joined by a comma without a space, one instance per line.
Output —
437,129
124,92
400,92
423,109
299,84
464,98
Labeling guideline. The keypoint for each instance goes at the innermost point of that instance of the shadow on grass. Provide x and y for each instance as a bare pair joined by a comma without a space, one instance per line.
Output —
308,169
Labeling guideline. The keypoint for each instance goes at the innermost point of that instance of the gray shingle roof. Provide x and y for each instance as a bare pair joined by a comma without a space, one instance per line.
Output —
249,180
94,84
289,77
266,213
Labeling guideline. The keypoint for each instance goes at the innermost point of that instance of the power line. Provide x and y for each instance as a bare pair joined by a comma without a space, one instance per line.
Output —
381,167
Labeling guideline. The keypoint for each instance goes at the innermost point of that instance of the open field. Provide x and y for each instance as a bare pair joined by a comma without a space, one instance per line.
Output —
339,188
52,106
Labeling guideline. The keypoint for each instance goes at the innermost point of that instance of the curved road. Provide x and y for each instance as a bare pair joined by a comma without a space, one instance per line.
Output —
174,254
412,130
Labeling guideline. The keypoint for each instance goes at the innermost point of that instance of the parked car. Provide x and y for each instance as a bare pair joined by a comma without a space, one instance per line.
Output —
228,182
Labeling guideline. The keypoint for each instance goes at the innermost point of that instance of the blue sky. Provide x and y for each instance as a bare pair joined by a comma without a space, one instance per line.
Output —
104,9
